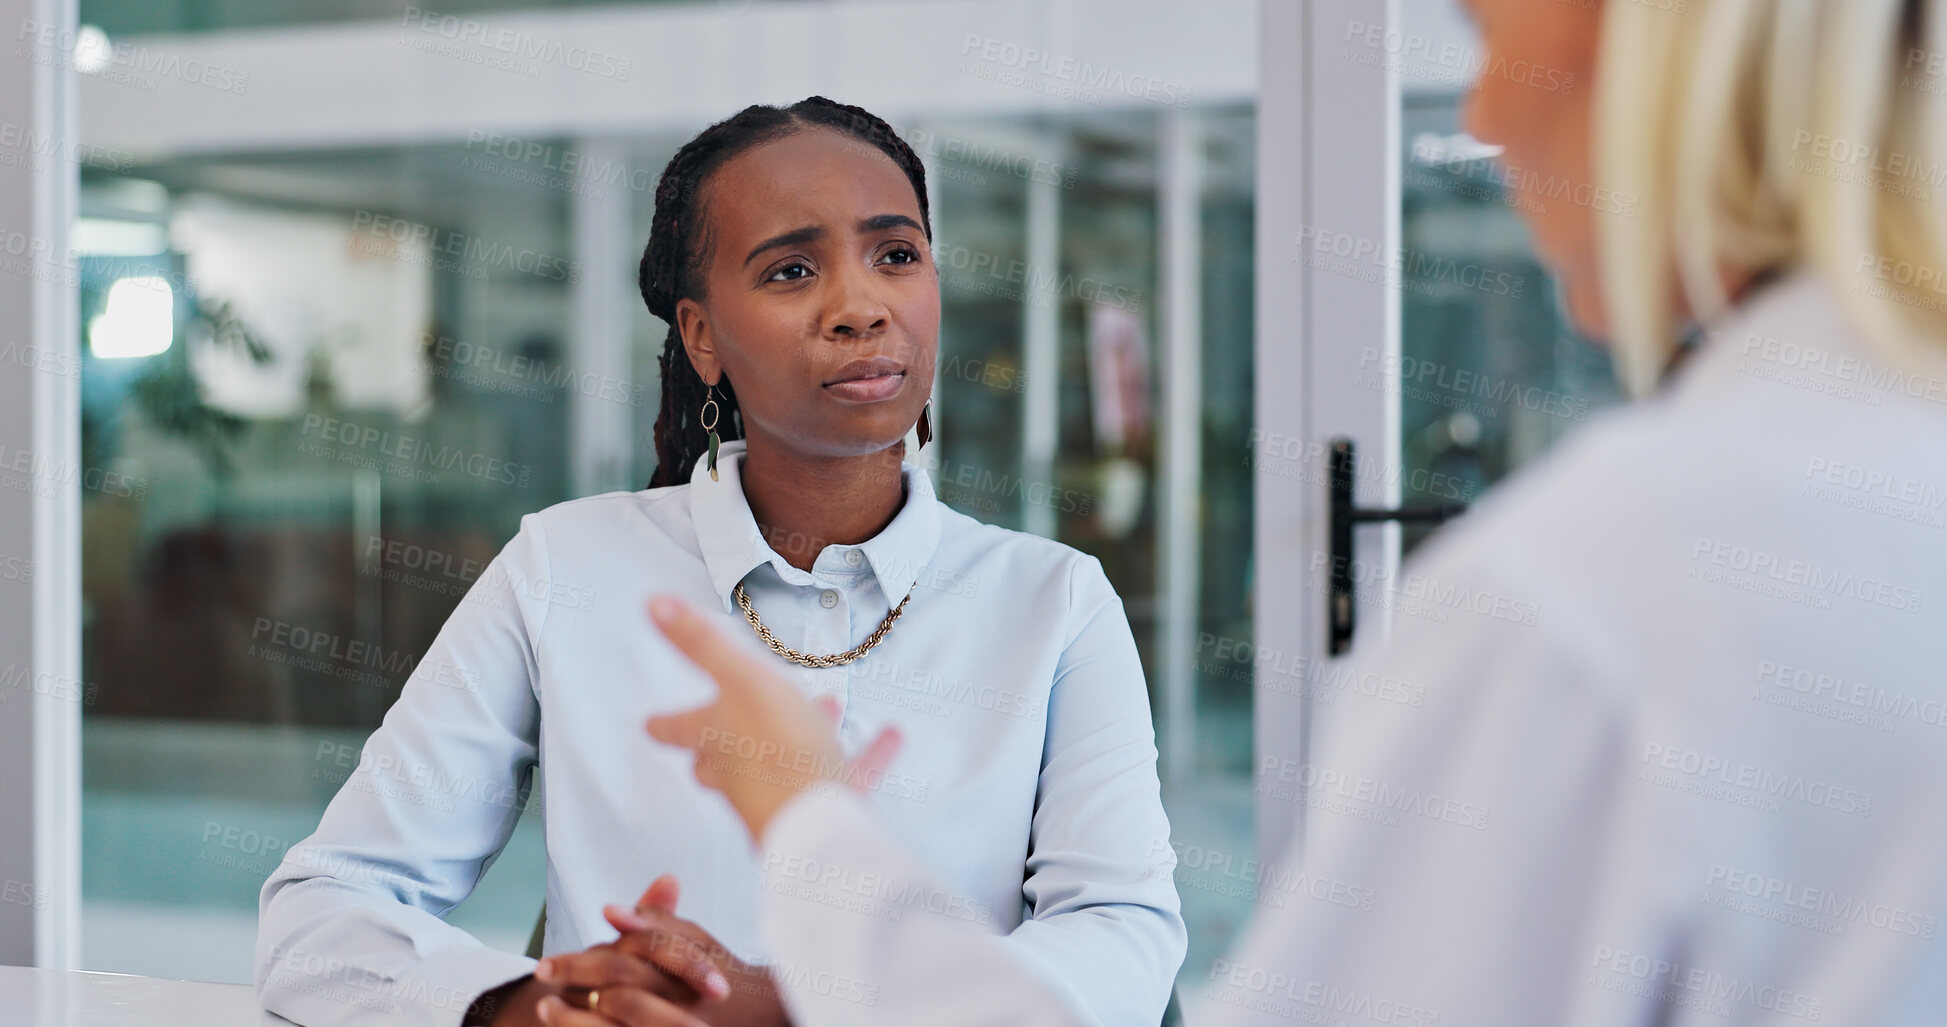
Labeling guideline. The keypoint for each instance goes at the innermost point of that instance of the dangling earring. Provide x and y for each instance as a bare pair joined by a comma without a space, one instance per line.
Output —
925,426
708,418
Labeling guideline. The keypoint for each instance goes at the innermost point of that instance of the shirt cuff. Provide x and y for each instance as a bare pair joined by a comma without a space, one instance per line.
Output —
811,819
453,978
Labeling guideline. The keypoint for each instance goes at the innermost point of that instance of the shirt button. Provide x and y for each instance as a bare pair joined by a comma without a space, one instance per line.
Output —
852,556
829,599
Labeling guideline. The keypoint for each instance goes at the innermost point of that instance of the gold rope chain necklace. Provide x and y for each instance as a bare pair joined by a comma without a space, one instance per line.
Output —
806,659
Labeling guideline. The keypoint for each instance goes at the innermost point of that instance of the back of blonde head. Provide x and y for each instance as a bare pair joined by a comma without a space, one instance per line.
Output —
1765,134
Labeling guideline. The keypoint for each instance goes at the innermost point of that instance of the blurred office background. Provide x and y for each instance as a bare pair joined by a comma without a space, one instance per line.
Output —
358,292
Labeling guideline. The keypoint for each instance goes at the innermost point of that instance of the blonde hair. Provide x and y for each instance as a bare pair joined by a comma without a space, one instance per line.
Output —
1713,115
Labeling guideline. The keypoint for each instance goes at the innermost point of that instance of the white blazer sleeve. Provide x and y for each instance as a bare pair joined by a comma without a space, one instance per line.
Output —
350,926
1461,862
837,964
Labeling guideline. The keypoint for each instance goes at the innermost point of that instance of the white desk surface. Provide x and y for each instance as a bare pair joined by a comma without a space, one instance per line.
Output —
67,998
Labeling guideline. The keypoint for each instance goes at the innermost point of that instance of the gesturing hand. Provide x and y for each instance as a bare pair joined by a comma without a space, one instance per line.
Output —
761,742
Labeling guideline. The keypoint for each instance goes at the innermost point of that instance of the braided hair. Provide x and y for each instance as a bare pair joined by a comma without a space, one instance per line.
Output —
672,263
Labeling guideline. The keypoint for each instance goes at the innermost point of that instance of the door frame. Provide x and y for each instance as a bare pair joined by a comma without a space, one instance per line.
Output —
1328,219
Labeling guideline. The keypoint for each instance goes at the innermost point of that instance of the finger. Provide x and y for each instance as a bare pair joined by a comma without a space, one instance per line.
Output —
877,754
619,1006
679,958
736,672
607,965
662,894
683,729
641,1009
828,705
624,919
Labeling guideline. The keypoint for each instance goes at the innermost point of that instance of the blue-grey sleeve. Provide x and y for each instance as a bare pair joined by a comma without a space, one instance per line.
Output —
1105,916
351,923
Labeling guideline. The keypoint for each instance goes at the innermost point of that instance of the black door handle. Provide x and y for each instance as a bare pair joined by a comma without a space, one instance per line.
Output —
1341,601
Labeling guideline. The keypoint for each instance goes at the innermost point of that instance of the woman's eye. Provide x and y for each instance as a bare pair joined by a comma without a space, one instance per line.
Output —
784,274
904,255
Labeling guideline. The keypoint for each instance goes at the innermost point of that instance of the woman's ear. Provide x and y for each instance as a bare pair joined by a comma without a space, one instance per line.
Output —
698,340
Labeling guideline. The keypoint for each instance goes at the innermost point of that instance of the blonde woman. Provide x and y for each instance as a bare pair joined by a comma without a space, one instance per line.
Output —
1706,787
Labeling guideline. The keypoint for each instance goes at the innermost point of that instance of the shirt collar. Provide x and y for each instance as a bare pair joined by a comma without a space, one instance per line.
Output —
733,545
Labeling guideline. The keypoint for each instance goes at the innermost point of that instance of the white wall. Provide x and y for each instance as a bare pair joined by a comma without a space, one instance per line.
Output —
632,70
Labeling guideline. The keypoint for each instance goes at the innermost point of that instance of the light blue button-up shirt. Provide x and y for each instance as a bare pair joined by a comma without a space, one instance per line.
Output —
1027,776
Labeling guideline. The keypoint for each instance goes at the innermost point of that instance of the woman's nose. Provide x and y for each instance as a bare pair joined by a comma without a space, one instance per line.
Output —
853,307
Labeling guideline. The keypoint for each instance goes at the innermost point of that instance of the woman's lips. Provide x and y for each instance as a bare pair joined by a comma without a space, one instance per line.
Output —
869,389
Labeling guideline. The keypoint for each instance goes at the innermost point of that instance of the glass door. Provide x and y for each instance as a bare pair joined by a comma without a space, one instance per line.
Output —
1410,351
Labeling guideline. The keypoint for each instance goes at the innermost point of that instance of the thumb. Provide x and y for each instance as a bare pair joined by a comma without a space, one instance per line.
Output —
877,754
662,894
